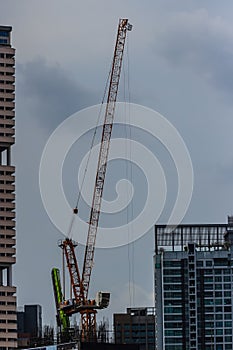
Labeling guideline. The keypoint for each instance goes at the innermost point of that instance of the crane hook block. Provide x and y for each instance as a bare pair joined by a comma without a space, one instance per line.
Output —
75,210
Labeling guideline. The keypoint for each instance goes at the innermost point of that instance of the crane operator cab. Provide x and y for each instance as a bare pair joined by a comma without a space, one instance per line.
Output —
102,299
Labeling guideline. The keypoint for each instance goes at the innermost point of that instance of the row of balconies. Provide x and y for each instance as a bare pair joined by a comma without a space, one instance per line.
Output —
7,50
9,95
7,336
8,307
8,241
7,213
8,87
7,114
4,69
6,122
10,325
8,196
6,252
6,188
6,223
9,290
8,232
7,205
6,170
10,104
7,259
10,61
7,78
6,141
7,131
8,344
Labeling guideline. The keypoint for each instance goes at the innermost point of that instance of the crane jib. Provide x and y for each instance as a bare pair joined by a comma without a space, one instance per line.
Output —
103,154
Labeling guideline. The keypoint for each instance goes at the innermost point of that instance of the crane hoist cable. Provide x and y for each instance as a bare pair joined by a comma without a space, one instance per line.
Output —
75,210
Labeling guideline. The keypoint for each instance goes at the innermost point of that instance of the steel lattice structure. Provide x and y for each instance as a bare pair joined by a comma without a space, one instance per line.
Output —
80,285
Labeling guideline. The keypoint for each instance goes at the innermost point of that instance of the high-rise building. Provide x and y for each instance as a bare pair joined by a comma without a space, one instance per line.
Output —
33,320
8,317
136,326
194,286
29,324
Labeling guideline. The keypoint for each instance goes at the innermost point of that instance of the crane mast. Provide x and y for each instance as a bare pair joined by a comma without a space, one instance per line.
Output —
80,284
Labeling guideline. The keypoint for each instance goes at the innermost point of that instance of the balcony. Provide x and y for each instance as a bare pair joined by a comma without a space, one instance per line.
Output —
8,123
7,115
7,214
9,87
7,131
7,223
10,251
9,104
6,141
7,259
8,232
7,70
7,50
6,188
10,61
8,289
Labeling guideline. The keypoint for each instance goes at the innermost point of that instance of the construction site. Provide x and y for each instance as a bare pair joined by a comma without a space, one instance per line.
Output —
79,301
117,247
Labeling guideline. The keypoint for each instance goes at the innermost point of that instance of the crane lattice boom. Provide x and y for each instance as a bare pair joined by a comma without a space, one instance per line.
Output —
103,153
80,285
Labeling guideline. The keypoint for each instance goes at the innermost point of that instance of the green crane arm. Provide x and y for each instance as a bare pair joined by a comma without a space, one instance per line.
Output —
63,321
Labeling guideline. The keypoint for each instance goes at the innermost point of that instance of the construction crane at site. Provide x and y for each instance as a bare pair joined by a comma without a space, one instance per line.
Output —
80,303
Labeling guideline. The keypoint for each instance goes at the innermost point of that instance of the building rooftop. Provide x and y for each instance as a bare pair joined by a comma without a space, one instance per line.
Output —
6,28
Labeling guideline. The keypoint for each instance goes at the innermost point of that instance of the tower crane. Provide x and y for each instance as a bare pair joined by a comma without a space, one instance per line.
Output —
80,282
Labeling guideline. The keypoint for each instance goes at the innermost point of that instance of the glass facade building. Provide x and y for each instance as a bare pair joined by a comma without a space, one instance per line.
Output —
194,286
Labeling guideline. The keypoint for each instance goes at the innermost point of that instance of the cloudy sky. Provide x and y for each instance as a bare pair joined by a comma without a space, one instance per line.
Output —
180,60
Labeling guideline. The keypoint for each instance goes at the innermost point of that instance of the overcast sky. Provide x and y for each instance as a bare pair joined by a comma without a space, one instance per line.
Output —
181,64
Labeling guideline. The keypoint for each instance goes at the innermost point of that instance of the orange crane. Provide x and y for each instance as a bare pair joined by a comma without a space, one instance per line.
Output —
80,283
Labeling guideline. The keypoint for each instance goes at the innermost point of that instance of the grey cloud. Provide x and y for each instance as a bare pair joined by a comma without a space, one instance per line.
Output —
201,43
49,92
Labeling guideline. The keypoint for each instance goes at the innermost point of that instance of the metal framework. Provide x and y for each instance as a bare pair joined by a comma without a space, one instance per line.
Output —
205,236
103,153
80,285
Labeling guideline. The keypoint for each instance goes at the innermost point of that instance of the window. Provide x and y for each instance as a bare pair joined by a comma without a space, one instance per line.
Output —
173,263
227,308
219,346
219,324
4,33
228,339
218,316
218,286
218,278
227,316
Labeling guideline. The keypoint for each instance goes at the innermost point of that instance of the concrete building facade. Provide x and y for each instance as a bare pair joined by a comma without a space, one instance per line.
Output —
8,317
136,326
194,287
